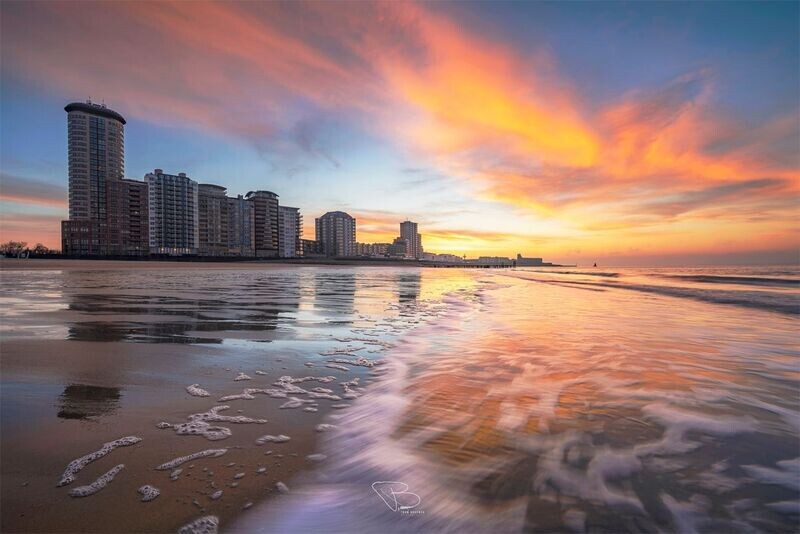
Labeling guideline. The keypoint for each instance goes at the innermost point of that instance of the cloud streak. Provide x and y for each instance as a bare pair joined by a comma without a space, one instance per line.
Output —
658,162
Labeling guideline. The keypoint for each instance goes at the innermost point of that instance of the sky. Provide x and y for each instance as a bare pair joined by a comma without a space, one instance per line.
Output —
618,133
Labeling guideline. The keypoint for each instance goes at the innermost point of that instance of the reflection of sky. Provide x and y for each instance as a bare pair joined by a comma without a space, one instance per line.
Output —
576,132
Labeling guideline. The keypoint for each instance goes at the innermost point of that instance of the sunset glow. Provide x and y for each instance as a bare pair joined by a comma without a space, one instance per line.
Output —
499,131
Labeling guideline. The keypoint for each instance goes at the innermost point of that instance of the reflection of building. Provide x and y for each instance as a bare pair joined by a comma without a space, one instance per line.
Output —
336,234
408,231
241,226
80,401
290,224
334,292
95,142
399,248
212,217
266,238
408,286
174,225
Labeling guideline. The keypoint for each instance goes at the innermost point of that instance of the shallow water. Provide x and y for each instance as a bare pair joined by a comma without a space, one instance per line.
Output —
509,400
553,402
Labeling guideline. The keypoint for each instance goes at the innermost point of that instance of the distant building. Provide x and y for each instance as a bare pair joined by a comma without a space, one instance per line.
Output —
84,237
529,262
449,258
491,260
336,234
374,250
266,238
290,225
173,212
399,248
241,227
310,247
95,143
212,217
408,231
128,219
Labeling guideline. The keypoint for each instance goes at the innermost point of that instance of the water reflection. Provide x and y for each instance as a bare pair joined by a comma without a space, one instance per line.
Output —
408,287
187,309
82,401
335,291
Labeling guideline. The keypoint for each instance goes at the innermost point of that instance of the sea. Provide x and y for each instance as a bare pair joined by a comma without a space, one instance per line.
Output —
460,400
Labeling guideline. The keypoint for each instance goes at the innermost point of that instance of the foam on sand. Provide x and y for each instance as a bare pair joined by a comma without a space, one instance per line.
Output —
101,482
336,366
281,487
78,464
241,376
148,492
319,395
294,402
200,428
214,416
196,391
249,394
324,427
281,438
359,362
183,459
208,524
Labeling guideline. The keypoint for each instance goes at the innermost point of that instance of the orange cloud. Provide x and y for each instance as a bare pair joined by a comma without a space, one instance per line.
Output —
657,168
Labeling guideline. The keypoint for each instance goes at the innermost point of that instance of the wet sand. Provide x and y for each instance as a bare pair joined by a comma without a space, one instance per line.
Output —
95,351
94,409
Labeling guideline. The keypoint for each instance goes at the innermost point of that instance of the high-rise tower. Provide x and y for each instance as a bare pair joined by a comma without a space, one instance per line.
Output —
96,151
336,234
96,143
408,231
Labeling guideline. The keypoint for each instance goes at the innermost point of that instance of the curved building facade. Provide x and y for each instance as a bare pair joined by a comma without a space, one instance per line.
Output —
96,145
336,234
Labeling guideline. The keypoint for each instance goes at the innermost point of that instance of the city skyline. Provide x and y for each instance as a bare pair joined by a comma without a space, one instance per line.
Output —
450,115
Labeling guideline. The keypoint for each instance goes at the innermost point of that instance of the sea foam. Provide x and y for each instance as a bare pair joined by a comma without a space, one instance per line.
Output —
101,482
78,464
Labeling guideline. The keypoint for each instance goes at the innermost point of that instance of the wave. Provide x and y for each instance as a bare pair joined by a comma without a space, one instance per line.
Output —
582,273
777,302
744,280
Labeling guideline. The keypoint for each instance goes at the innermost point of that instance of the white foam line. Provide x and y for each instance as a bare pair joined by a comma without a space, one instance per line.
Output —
183,459
78,464
101,482
208,524
196,391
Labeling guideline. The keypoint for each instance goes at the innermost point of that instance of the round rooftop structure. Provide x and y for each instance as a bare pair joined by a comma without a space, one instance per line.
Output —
95,109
